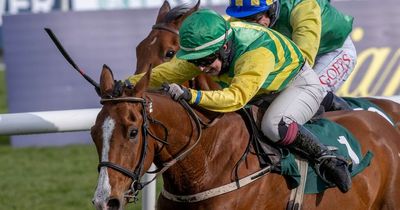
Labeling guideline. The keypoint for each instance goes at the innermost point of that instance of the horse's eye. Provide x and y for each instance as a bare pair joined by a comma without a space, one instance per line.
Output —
170,54
132,133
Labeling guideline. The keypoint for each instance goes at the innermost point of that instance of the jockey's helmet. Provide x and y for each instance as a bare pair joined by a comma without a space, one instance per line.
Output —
202,34
247,8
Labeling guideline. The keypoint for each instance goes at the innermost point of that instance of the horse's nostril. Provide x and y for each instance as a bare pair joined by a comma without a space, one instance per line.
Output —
113,204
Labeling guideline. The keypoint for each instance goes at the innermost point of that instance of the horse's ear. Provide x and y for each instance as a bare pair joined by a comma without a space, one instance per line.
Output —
165,8
141,86
196,7
106,81
184,16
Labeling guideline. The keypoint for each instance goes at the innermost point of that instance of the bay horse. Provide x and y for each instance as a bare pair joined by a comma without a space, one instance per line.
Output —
162,43
140,127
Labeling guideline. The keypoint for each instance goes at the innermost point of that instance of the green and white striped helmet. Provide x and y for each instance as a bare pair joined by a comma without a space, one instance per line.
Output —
201,34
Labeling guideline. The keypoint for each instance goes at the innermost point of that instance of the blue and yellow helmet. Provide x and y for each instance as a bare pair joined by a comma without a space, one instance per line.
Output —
245,8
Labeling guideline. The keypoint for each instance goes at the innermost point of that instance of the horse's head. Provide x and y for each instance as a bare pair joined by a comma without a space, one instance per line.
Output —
119,134
163,41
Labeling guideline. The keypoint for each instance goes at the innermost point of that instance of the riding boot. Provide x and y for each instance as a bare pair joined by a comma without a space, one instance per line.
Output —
329,166
332,102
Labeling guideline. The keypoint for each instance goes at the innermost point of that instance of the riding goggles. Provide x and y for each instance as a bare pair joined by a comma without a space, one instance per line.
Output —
205,61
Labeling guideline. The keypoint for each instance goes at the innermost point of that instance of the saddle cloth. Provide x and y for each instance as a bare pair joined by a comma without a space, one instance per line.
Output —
330,134
364,104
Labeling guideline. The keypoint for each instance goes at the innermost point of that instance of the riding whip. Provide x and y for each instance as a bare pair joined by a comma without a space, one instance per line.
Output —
69,59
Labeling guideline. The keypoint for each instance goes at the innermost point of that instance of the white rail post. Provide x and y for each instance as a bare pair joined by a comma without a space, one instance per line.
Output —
65,5
149,192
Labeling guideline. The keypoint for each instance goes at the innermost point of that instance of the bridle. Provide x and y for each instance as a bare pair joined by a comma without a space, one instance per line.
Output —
132,194
135,175
164,27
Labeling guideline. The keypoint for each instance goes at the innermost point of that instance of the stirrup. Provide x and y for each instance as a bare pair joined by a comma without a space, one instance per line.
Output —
321,160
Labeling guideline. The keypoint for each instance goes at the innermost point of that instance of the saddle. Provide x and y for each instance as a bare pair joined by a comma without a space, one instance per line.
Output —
268,153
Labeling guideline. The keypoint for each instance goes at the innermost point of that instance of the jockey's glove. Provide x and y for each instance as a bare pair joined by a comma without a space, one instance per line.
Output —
177,91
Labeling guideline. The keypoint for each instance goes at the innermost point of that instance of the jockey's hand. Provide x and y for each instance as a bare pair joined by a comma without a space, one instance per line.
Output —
177,92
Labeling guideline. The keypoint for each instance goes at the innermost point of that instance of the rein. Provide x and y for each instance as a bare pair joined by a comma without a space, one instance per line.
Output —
136,185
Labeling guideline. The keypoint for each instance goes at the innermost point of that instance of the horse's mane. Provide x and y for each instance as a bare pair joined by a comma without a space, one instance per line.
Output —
157,91
176,13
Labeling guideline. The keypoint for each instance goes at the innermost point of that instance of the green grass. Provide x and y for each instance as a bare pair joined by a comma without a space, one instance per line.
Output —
62,178
4,140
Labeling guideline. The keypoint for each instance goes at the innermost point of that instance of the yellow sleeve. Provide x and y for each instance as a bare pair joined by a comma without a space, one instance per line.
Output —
251,70
305,20
231,19
174,71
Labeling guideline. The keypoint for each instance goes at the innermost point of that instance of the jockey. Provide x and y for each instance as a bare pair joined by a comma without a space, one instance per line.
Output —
319,30
252,60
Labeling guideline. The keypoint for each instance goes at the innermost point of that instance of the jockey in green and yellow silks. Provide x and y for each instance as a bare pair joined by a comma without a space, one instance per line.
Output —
318,29
251,60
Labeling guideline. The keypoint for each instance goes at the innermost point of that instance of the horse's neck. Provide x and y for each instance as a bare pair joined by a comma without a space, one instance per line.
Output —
182,135
212,161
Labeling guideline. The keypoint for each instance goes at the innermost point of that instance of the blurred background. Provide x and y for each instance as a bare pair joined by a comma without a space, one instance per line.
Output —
59,170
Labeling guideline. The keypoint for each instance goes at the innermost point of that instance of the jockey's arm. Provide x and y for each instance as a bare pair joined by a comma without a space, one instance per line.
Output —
175,71
251,71
305,20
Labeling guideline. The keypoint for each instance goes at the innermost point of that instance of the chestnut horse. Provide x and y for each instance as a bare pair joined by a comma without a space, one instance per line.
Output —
163,42
140,127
